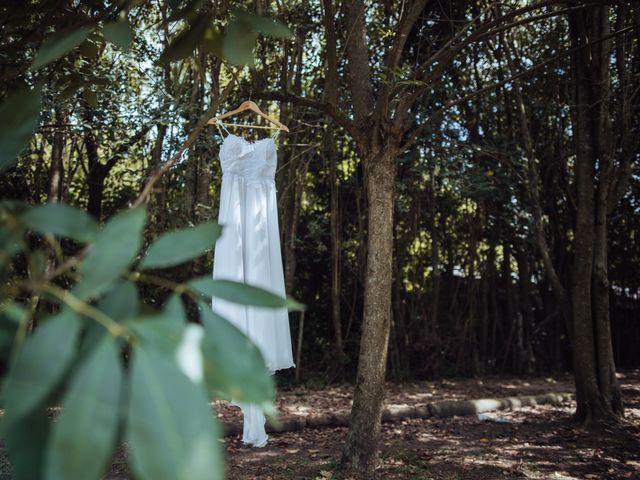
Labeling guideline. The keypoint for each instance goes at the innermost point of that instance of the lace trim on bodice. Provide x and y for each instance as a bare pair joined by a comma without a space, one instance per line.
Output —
253,162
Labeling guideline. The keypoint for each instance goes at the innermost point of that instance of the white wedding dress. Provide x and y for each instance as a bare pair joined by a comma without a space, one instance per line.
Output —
249,251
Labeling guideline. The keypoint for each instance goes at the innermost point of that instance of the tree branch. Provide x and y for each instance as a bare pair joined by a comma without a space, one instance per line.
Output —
358,69
202,122
331,72
332,110
405,25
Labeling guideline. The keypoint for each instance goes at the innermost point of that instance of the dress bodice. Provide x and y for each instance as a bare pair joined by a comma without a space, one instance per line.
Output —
254,162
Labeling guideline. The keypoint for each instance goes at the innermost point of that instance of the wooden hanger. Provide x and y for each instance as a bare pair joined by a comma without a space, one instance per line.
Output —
249,105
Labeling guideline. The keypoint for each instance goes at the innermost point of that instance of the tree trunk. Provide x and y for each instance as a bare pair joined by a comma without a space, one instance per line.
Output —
331,93
56,172
96,174
335,250
95,182
37,174
193,112
298,175
293,166
527,358
432,318
510,301
97,171
361,448
597,391
156,201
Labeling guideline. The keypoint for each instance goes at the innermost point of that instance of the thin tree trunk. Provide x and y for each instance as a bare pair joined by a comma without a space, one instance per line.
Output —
524,274
295,169
487,286
509,319
296,199
56,172
96,173
37,176
194,111
433,317
156,199
331,92
361,448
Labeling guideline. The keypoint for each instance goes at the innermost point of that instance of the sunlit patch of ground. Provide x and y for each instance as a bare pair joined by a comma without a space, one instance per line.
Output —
530,443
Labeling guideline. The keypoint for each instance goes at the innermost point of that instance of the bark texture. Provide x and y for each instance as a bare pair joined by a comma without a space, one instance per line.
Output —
597,389
361,448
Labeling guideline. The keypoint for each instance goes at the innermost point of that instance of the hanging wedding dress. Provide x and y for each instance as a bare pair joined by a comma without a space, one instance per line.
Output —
249,251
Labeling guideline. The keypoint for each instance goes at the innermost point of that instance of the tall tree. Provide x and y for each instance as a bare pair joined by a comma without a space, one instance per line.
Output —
601,171
377,129
331,96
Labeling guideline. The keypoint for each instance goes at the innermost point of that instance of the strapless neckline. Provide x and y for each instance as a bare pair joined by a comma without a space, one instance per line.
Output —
247,142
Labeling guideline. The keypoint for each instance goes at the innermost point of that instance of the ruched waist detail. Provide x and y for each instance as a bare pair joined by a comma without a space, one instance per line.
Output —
251,179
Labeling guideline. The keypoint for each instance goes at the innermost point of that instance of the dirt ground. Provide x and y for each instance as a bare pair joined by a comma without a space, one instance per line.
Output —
531,443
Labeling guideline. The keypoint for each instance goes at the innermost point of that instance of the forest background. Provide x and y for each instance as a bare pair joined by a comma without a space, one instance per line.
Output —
460,179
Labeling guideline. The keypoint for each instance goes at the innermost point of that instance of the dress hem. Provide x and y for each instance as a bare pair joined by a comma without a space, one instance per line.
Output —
274,370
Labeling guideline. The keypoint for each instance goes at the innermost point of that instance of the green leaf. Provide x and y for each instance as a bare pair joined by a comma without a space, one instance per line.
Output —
10,244
158,334
162,331
120,303
84,435
57,46
26,443
61,219
68,91
90,97
173,310
233,366
119,33
187,40
90,50
242,293
171,429
238,44
11,316
39,364
266,26
115,247
171,334
176,247
242,33
20,113
188,12
213,42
